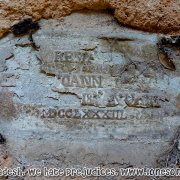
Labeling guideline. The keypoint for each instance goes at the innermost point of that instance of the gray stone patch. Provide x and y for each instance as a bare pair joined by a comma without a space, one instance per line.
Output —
92,93
6,53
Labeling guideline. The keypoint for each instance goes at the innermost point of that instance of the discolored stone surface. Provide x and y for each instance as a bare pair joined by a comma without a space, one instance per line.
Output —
84,91
178,101
156,15
7,109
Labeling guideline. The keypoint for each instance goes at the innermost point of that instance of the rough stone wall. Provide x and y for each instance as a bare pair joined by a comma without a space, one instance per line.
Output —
85,91
150,15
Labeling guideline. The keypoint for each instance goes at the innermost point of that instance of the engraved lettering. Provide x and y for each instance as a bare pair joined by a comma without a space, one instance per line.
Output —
65,80
83,114
51,113
69,113
86,81
61,113
109,100
77,114
97,81
143,101
74,80
86,115
106,115
70,56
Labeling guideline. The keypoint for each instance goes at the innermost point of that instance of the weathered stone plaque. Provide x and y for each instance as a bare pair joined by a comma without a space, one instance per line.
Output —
115,74
91,92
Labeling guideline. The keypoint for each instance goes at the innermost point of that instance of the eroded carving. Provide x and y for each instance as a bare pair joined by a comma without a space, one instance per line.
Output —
70,56
83,81
84,114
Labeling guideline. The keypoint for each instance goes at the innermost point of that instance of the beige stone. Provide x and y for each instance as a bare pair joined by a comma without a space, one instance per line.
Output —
156,16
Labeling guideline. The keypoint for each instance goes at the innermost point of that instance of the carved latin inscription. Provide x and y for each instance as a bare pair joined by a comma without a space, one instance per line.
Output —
143,101
70,56
83,81
95,82
61,113
111,100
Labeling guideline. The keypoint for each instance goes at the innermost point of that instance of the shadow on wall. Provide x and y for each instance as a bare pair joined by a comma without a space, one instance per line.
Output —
171,156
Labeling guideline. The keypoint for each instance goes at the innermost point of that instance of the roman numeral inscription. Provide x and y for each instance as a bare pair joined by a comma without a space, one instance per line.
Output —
79,113
83,114
83,81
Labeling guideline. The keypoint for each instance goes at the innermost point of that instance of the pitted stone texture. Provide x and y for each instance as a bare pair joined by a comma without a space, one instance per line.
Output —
6,53
6,159
7,109
57,126
157,15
